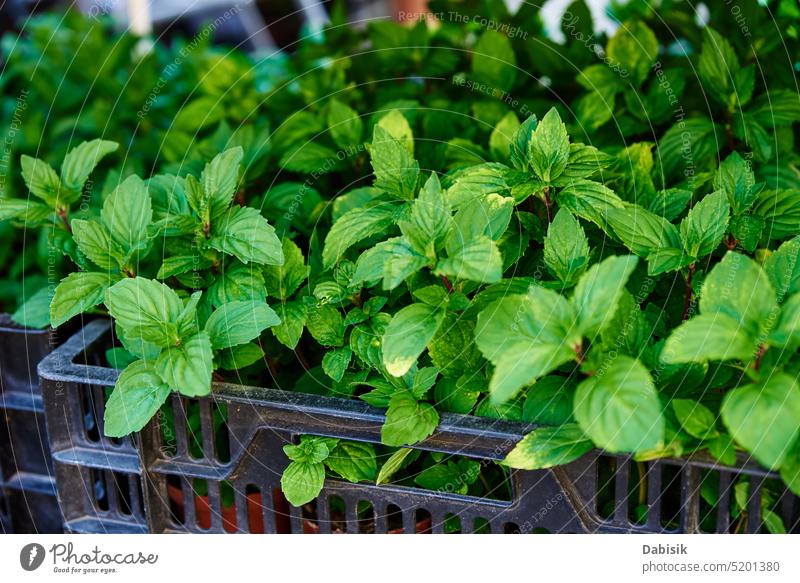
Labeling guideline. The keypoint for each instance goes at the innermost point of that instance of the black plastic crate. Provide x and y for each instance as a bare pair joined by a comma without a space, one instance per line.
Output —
26,471
156,482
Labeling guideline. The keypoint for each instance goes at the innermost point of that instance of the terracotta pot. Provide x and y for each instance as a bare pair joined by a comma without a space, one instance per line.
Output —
202,511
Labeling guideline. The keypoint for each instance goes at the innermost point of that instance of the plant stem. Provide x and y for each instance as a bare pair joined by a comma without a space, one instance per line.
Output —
447,284
62,214
548,204
578,348
687,301
759,355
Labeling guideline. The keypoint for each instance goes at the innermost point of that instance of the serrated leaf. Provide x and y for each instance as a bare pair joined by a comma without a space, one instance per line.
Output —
245,234
396,172
408,421
220,178
703,228
127,212
41,180
344,124
145,309
187,368
301,482
525,337
77,293
137,396
619,408
239,322
354,226
547,447
407,335
598,292
354,461
763,418
566,248
548,150
94,241
82,159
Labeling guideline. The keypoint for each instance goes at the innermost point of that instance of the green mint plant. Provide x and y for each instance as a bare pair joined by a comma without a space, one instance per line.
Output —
176,350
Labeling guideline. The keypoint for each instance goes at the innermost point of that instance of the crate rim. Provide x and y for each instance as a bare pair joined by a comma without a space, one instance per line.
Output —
455,434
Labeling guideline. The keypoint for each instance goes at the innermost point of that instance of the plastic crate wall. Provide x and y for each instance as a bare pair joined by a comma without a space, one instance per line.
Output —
182,487
26,472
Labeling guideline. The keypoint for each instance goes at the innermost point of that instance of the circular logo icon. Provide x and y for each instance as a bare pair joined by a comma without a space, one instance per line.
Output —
31,556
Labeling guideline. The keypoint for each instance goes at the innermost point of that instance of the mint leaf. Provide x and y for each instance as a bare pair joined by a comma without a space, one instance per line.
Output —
245,234
392,465
408,421
187,368
326,325
695,418
35,311
525,337
42,181
75,294
220,178
548,150
96,243
335,362
736,180
566,248
145,309
478,259
354,461
137,396
239,322
494,62
127,212
301,482
392,261
763,418
547,447
240,356
715,336
353,227
703,228
409,332
502,136
619,408
430,218
82,159
717,67
633,50
598,292
283,280
738,287
344,124
783,268
396,172
293,320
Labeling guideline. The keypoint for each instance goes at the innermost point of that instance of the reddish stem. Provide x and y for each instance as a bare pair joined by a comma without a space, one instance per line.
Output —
548,204
62,214
687,301
579,354
759,355
447,284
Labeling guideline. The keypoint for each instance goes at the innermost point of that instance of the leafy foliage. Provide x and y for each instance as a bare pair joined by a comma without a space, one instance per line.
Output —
619,268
